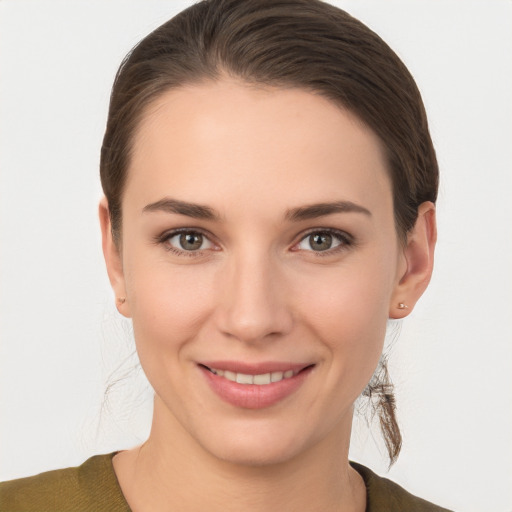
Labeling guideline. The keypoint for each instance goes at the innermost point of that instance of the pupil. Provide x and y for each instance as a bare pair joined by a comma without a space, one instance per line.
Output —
320,241
191,241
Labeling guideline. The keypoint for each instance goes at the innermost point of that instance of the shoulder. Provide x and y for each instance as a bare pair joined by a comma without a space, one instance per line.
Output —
383,495
90,487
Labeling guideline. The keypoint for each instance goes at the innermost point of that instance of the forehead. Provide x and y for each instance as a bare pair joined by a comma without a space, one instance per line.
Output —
227,139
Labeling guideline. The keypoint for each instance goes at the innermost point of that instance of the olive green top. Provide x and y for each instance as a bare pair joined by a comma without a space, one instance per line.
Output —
93,487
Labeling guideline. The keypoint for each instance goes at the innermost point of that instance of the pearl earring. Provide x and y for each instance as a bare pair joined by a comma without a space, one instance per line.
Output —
402,305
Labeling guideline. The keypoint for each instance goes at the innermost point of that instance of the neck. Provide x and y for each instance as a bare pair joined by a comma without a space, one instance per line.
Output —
170,471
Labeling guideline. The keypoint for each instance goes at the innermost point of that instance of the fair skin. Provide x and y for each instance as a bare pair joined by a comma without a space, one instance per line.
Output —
259,281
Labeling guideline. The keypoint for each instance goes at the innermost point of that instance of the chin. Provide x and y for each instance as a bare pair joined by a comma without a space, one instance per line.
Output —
255,446
255,456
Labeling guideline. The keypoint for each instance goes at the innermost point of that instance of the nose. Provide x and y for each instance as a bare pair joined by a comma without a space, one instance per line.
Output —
255,304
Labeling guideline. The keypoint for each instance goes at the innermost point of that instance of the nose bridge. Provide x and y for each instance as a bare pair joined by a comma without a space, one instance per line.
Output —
254,304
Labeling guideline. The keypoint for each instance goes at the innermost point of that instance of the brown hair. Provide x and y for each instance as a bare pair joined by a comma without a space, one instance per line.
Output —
285,43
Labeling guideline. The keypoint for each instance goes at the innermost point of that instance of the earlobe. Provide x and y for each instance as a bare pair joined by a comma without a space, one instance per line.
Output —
113,259
419,259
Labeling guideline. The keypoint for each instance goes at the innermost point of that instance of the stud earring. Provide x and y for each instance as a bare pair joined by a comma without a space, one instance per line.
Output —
121,300
402,305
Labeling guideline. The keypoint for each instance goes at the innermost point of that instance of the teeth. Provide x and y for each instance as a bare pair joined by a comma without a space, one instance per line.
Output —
260,380
276,376
227,375
242,378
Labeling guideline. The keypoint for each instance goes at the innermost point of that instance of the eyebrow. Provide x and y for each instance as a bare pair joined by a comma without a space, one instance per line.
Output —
320,209
312,211
169,205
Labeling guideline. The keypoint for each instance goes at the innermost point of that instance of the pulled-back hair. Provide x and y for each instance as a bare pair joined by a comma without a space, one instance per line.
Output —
305,44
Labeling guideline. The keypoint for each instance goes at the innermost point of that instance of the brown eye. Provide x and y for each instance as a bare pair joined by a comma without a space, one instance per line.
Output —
320,241
191,241
187,241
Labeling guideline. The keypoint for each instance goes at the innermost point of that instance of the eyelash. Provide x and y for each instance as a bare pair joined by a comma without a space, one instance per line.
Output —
164,238
344,238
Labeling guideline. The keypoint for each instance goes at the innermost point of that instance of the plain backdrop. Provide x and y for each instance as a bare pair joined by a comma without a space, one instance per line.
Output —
63,342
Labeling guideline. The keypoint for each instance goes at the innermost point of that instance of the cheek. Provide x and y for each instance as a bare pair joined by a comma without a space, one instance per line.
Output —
168,305
348,310
349,298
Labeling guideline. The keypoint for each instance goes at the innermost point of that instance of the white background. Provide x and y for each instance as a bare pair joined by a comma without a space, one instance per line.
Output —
61,336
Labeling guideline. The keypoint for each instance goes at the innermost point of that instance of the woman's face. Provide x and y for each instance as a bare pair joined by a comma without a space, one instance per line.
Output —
258,244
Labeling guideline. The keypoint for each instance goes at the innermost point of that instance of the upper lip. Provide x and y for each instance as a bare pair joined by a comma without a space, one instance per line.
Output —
255,368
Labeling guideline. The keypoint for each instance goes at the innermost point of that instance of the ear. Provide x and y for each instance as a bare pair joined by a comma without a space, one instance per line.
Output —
113,260
418,262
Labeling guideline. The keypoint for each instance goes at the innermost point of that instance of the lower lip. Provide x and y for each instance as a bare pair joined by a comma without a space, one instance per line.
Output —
253,396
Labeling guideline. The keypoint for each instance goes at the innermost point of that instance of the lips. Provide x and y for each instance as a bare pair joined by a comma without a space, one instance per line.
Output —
254,386
261,379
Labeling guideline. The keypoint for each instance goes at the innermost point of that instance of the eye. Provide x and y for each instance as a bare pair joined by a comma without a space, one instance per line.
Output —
187,241
324,240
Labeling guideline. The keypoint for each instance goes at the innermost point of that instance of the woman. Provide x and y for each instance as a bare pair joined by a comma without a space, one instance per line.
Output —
269,185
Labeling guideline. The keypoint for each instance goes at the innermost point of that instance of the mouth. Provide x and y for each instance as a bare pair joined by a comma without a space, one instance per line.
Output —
259,379
255,386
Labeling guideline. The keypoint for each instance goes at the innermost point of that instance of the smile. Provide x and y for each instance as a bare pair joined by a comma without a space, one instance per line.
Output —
255,386
261,379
